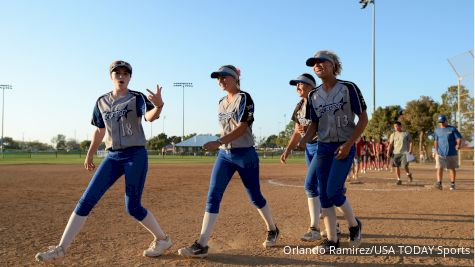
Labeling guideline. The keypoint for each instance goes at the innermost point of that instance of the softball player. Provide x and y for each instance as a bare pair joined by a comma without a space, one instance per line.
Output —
333,106
236,153
301,116
117,116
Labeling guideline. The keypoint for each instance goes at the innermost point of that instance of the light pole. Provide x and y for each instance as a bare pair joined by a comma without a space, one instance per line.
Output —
364,3
183,85
164,117
3,87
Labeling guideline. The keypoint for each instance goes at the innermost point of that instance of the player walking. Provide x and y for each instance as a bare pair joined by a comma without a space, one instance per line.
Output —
333,106
400,143
447,140
118,115
236,153
301,116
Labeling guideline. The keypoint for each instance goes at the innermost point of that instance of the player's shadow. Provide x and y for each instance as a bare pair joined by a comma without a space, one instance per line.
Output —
419,219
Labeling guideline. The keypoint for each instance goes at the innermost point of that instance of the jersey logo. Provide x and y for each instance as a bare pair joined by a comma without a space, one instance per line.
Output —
225,116
322,109
116,114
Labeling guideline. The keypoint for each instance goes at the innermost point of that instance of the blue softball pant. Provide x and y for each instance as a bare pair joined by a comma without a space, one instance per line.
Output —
133,162
311,181
332,173
246,162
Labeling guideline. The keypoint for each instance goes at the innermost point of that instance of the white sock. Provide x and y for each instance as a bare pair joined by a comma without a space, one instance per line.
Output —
330,223
209,220
73,227
314,210
347,211
151,224
267,216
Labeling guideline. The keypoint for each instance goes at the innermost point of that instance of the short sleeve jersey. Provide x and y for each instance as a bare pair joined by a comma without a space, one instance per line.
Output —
334,111
122,119
446,139
400,142
301,116
230,114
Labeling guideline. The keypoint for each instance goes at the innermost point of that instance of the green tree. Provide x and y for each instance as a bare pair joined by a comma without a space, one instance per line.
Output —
37,146
381,122
9,143
157,142
449,108
419,118
59,142
174,139
72,144
284,136
84,145
271,141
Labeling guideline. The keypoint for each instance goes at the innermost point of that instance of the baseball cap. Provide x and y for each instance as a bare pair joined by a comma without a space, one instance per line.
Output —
442,118
120,63
304,78
319,56
226,70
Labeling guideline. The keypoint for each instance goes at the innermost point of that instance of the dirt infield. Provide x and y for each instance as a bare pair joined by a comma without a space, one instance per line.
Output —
401,223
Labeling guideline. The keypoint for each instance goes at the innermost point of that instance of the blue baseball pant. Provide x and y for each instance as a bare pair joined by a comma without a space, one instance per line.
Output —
332,173
133,162
311,181
246,162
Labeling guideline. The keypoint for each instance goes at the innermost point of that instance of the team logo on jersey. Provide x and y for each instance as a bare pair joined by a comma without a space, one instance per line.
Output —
322,109
116,114
225,116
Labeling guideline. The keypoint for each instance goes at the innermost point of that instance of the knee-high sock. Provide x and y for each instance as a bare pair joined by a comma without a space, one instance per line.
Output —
267,216
151,224
209,220
330,223
73,227
314,210
347,211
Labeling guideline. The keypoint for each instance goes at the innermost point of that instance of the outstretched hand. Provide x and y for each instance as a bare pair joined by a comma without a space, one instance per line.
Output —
156,98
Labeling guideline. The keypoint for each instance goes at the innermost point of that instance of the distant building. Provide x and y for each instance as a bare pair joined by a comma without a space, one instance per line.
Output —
195,143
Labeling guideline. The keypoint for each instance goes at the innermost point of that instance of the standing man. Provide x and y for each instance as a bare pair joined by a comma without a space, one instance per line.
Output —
400,143
447,140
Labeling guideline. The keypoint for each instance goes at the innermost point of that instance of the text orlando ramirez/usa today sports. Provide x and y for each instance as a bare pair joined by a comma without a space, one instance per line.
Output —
380,250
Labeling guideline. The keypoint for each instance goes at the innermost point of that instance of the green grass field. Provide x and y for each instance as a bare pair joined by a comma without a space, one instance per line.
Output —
54,158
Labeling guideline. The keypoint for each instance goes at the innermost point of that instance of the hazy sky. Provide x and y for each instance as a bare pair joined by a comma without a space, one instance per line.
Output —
56,55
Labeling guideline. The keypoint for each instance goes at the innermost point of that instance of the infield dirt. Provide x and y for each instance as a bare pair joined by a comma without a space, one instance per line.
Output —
37,201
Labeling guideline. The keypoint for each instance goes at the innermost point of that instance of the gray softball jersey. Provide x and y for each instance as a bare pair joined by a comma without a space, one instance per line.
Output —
122,119
230,114
334,111
301,116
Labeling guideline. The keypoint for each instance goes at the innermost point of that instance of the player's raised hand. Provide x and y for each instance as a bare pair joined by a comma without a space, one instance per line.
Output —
156,97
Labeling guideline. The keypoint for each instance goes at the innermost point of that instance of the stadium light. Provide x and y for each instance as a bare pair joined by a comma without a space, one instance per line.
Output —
364,3
183,85
3,87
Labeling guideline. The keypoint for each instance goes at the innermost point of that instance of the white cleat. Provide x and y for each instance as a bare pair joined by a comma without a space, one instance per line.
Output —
157,247
54,253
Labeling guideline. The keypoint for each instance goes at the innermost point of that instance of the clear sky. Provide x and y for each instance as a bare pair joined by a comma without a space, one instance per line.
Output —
56,55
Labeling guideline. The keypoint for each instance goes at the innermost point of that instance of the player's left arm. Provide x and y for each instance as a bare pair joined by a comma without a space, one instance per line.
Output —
156,99
458,139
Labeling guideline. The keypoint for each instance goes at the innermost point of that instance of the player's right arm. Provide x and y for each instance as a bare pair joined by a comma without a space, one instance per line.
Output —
294,139
97,137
